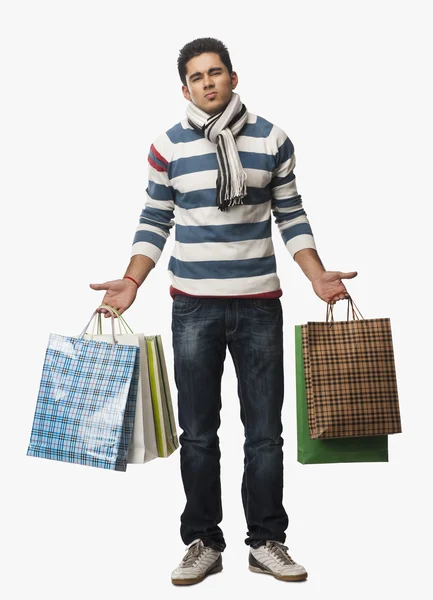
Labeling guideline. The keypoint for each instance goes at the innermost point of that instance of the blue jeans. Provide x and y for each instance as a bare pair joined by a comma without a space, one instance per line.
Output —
252,329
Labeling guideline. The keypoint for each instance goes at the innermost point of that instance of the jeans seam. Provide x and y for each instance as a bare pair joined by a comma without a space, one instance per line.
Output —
245,424
229,333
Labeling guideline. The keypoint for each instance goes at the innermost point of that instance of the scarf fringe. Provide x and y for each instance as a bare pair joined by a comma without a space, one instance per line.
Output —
237,193
238,189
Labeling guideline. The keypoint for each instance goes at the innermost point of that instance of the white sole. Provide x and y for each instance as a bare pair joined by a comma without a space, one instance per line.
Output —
213,571
299,577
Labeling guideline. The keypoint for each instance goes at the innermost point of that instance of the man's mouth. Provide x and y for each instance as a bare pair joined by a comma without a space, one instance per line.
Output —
211,95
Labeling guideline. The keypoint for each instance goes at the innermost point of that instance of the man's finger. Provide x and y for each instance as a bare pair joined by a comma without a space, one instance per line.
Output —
349,275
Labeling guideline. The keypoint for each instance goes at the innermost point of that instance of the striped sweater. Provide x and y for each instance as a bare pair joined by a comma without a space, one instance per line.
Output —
216,253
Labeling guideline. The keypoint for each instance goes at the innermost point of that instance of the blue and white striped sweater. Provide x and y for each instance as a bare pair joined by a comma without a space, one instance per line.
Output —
222,253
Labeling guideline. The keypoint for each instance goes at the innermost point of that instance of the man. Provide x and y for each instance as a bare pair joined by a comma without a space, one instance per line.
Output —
223,171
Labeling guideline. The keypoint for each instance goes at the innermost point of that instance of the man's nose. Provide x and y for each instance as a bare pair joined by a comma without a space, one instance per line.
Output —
207,82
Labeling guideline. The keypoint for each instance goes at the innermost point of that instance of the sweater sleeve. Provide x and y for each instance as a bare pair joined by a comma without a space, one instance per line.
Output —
287,209
157,216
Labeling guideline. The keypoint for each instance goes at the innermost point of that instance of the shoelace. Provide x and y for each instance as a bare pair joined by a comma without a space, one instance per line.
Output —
279,552
193,554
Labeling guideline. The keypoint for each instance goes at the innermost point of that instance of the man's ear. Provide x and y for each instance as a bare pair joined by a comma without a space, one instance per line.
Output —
234,79
186,93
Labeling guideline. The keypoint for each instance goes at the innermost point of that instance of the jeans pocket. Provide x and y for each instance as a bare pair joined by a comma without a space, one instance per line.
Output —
185,305
267,305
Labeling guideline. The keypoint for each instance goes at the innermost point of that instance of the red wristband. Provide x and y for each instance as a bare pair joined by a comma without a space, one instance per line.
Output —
128,277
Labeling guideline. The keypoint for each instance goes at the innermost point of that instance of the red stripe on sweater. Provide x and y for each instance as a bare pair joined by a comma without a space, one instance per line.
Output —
158,155
157,167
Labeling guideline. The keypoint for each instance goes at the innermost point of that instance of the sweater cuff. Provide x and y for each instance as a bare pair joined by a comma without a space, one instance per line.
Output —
299,243
146,249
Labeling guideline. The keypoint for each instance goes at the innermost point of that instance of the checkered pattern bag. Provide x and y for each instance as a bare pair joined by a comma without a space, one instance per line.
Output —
350,377
86,403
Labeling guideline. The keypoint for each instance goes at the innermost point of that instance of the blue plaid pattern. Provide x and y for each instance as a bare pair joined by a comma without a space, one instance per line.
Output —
86,404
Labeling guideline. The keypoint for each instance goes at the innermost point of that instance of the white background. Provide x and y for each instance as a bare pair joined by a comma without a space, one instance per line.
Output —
86,88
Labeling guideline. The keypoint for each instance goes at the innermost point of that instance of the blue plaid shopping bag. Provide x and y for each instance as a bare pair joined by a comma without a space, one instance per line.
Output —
86,403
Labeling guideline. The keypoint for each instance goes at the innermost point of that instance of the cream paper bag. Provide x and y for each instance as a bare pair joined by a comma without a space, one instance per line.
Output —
143,446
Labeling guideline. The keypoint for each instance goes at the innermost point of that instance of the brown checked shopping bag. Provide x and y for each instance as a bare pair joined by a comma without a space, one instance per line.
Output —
350,376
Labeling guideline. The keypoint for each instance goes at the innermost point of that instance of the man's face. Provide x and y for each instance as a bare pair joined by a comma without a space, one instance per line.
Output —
209,84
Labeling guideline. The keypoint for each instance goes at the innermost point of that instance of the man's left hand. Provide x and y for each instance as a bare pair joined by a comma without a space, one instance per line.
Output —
329,287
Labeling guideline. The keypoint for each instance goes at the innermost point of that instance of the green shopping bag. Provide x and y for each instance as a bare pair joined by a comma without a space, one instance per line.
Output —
331,450
165,425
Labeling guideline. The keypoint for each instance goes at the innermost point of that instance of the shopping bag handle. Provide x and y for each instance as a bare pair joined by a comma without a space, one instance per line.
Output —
122,328
350,303
98,324
119,316
110,310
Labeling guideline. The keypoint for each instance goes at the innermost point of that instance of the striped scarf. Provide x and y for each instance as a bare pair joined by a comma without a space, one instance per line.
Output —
221,129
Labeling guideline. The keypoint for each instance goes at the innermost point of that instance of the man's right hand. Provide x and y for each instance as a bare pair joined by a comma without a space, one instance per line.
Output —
120,294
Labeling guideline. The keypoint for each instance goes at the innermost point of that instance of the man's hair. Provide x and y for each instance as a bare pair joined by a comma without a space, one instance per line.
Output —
199,46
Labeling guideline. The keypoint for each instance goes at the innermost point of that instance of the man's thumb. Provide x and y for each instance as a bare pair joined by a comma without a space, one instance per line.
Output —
98,286
349,275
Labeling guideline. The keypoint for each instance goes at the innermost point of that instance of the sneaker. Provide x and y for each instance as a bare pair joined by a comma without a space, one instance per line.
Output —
198,562
273,559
